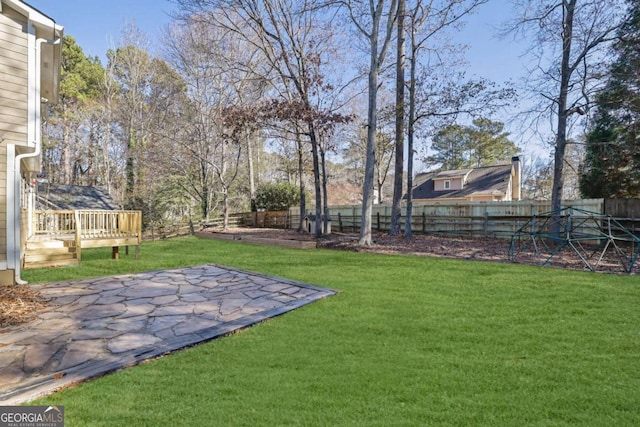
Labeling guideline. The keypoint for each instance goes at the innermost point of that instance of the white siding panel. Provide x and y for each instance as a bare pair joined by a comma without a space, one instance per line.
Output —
12,124
13,138
15,96
14,104
13,79
14,52
14,90
3,202
13,66
13,35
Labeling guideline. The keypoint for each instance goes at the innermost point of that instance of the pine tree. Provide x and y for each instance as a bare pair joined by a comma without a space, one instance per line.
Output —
483,144
612,164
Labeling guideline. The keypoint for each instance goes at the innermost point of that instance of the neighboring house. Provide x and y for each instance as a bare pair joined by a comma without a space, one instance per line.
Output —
72,197
490,183
30,56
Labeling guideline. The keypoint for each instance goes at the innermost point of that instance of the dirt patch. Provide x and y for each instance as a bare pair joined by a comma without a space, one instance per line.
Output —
19,304
480,249
428,245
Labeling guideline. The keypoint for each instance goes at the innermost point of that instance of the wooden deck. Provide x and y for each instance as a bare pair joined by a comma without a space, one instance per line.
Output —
57,237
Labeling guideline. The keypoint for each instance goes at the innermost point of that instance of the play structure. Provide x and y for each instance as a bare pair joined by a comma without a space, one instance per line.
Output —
574,236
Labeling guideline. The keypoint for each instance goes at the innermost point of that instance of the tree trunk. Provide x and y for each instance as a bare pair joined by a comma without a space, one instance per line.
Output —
66,154
316,178
225,208
408,227
396,209
204,202
370,163
252,183
303,197
130,172
325,205
561,132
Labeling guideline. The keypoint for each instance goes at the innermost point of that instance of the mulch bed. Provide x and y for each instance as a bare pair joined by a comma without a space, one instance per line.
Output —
19,304
446,246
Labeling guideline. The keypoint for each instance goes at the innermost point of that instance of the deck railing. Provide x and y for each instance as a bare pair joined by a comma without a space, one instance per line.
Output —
94,224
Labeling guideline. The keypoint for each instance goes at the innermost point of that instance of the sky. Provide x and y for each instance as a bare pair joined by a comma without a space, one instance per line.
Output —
96,25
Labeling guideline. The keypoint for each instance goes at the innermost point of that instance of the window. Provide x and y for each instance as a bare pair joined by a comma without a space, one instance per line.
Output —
447,185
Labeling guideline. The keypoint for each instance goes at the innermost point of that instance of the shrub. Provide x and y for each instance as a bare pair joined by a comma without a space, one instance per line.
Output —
277,196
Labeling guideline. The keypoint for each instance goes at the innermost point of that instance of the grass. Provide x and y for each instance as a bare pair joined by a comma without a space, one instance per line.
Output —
408,341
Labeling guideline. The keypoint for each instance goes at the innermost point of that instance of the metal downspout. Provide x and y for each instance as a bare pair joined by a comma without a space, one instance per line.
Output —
17,247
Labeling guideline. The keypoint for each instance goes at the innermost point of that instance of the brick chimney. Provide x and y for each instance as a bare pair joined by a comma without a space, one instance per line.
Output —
516,171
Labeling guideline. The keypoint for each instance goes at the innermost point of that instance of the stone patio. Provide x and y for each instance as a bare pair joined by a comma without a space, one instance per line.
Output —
96,326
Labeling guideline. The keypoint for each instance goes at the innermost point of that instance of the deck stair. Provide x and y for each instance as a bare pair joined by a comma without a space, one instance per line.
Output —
57,237
50,253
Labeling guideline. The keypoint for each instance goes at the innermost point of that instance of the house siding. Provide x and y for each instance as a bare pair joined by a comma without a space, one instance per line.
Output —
13,80
456,184
3,202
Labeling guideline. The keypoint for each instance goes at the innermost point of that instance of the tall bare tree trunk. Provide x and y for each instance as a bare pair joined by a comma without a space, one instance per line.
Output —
377,54
408,227
396,208
66,154
325,197
303,196
370,163
561,135
316,178
130,172
252,182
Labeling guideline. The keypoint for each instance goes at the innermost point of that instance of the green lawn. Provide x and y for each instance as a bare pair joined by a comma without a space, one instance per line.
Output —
408,341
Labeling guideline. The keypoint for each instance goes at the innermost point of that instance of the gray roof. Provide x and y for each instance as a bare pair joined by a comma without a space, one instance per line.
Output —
454,173
70,197
485,180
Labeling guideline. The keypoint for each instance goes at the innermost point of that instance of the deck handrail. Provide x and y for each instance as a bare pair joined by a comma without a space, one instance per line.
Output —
94,223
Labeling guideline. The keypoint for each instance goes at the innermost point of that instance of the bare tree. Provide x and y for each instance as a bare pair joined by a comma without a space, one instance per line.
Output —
374,21
132,69
431,96
217,123
398,179
569,39
287,36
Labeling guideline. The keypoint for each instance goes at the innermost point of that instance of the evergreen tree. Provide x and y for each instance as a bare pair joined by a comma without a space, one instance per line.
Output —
612,163
449,146
483,144
490,144
68,150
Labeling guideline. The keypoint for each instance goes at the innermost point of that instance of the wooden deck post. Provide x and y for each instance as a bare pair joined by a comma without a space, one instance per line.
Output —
114,252
78,234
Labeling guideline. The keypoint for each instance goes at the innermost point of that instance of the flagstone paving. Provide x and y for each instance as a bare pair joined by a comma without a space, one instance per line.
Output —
95,326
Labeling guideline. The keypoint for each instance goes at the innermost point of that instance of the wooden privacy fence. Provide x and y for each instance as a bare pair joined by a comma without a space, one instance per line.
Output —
469,219
263,219
469,226
626,211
